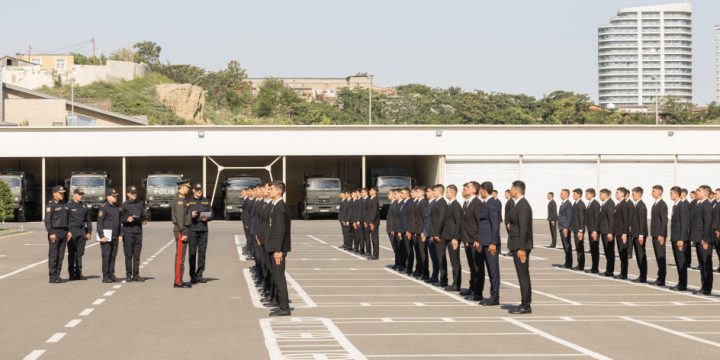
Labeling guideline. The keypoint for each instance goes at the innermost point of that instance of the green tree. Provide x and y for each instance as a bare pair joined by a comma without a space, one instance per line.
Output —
147,52
123,54
6,202
275,99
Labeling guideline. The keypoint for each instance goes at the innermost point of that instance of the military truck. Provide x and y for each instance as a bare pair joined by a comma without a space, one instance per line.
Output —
232,194
23,197
320,197
94,183
385,183
160,192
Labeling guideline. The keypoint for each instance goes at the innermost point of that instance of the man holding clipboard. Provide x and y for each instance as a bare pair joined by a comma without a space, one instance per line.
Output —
200,213
180,229
108,230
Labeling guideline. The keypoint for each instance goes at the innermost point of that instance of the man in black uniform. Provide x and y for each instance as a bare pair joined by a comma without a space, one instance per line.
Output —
373,219
701,233
577,226
552,218
452,228
592,220
520,243
680,236
80,230
278,244
658,232
133,218
356,220
180,229
416,229
200,213
390,225
639,232
605,227
109,220
621,225
56,224
343,220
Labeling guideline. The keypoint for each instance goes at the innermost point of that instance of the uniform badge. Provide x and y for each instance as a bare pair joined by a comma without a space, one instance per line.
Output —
100,213
47,209
180,202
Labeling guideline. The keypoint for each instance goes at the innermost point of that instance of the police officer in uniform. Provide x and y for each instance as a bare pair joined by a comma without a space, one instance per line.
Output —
198,235
109,219
80,230
133,218
56,224
180,230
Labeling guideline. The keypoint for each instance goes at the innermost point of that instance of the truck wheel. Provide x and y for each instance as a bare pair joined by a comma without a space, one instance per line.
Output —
306,215
226,216
149,215
21,215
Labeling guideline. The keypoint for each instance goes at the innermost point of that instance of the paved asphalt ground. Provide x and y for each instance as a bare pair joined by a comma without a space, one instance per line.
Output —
345,307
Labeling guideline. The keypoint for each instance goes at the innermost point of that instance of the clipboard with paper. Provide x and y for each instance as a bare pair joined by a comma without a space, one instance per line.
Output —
106,233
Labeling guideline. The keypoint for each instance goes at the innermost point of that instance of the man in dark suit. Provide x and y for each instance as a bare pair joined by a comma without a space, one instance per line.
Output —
418,224
684,198
428,239
403,231
373,221
592,222
494,200
390,225
356,206
437,221
552,218
520,244
398,236
577,226
605,227
343,220
452,226
716,224
486,244
701,233
679,236
468,236
509,203
639,232
278,245
621,225
564,220
364,222
658,232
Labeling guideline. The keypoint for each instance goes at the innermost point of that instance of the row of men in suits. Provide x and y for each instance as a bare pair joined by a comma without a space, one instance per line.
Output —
431,224
359,217
623,225
266,223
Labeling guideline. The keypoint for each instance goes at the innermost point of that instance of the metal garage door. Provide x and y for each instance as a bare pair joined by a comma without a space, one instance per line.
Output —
696,170
643,172
501,171
542,175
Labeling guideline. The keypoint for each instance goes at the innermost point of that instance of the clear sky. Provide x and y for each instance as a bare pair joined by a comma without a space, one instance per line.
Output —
529,46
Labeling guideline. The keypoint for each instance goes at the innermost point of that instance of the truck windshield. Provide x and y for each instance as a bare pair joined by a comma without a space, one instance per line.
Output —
87,181
242,183
393,181
11,181
163,181
324,184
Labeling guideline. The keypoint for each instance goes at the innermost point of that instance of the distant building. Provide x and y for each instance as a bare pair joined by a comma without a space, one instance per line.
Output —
58,62
645,55
717,59
317,89
23,107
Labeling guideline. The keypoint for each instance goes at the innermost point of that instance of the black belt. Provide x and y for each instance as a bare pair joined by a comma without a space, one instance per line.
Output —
59,229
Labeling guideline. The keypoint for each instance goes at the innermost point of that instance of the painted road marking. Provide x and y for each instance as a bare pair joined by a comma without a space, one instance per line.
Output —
306,338
56,337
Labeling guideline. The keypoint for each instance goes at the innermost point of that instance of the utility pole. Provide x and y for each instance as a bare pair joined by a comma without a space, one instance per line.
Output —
94,57
370,102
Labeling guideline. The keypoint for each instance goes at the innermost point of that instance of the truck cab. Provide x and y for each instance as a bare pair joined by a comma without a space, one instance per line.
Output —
385,183
232,194
160,192
94,183
20,185
320,197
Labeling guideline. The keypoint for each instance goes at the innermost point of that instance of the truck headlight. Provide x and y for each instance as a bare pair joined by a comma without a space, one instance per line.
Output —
100,198
337,207
17,199
309,207
150,198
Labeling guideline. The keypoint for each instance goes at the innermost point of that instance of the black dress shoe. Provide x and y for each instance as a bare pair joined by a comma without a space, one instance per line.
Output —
466,292
187,284
201,280
476,297
658,283
678,288
620,277
107,280
137,278
114,279
639,281
452,288
591,271
129,278
522,309
430,281
194,281
80,277
695,268
550,246
181,286
607,274
577,268
701,292
718,269
279,312
488,302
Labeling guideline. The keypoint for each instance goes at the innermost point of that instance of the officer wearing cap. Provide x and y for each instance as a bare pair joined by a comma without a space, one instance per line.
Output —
198,234
133,216
56,224
180,221
109,219
80,230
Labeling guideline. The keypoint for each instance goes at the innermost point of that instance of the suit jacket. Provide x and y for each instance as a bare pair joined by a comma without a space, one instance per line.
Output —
342,213
452,224
356,207
471,220
621,221
592,216
565,215
497,205
390,217
520,234
363,209
701,222
489,224
638,219
278,238
245,209
508,208
577,225
659,219
417,223
426,216
552,211
373,211
680,222
437,217
264,221
716,219
607,216
403,225
411,214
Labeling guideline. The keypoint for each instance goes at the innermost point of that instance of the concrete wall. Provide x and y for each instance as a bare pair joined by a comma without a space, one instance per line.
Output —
37,112
112,72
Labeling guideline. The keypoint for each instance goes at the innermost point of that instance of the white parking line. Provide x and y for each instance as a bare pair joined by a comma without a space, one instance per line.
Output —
109,293
239,247
671,331
55,337
254,297
300,292
34,355
86,312
337,248
32,265
306,332
73,323
98,301
434,288
556,339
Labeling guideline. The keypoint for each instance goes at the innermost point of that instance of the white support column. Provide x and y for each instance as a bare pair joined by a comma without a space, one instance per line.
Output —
520,166
675,170
363,171
597,172
124,175
204,176
284,175
42,188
